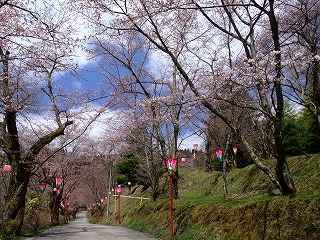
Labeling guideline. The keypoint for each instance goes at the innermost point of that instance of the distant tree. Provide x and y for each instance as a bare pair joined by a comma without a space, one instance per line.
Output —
155,98
301,132
128,167
311,134
293,132
146,149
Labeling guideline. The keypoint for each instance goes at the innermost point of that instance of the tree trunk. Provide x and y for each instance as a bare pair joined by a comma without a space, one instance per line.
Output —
15,202
224,168
282,169
20,176
316,86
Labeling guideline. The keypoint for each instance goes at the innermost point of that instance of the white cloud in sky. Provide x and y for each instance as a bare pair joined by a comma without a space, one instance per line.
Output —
77,84
193,139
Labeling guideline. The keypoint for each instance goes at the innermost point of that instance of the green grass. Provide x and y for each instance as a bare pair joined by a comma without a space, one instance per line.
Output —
253,209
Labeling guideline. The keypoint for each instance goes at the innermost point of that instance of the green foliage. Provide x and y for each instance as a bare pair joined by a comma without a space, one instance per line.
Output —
293,133
217,165
36,214
128,167
301,132
32,204
312,133
121,180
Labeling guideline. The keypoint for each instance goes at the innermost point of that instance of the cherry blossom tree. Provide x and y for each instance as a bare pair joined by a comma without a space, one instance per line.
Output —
137,87
213,76
35,44
302,54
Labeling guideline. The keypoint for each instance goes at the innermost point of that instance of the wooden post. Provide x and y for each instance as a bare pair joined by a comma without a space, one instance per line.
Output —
171,164
119,215
53,209
100,216
171,207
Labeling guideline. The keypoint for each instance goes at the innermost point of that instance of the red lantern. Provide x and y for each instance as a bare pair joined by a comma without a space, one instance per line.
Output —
235,149
42,187
7,168
171,165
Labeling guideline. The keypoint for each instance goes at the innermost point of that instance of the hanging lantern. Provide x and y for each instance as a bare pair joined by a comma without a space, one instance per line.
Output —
195,146
7,168
42,187
59,181
102,199
119,189
171,165
235,149
219,153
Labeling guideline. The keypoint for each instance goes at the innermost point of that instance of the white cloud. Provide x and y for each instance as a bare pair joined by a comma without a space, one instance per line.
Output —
190,141
77,84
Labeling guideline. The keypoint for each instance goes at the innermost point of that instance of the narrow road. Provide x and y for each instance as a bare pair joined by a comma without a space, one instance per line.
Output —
81,229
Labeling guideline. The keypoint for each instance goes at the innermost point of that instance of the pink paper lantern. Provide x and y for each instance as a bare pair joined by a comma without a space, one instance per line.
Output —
219,153
7,168
59,181
171,164
119,189
42,187
235,149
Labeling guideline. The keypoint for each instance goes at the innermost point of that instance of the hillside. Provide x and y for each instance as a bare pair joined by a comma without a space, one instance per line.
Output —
253,209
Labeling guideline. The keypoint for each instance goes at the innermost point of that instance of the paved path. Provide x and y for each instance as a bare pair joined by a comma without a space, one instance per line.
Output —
80,229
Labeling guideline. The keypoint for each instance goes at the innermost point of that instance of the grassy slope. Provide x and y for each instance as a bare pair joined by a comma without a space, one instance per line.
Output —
252,210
